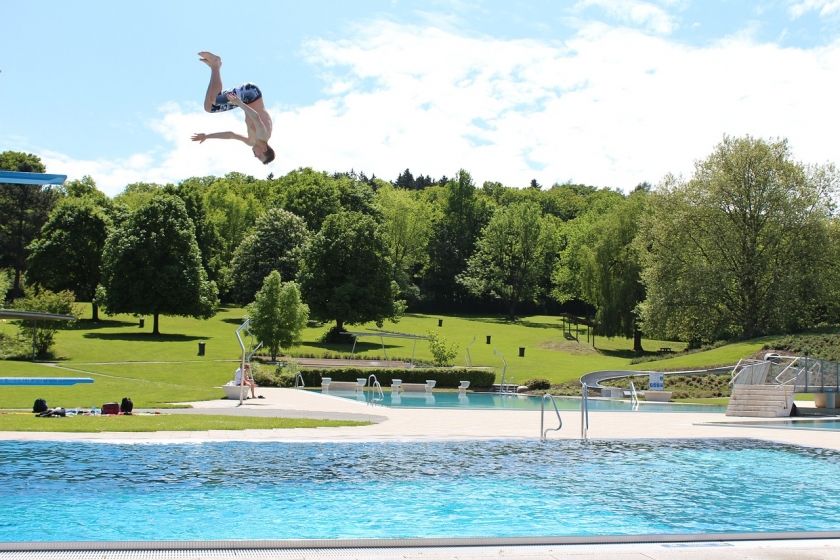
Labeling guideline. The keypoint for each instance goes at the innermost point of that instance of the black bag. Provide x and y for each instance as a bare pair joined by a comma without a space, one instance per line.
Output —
39,406
126,406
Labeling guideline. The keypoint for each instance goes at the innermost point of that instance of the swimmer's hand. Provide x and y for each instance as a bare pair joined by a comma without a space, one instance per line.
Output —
199,137
233,98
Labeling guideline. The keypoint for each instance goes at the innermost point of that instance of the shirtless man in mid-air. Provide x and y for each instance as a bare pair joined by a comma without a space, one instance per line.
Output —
249,98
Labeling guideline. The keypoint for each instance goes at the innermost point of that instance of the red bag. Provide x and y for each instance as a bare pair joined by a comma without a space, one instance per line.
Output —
110,408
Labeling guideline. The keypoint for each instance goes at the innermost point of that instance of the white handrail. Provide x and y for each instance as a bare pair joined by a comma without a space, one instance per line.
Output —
378,394
544,432
634,397
299,378
584,412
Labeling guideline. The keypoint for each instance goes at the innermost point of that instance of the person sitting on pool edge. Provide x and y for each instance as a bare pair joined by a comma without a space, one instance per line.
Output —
247,379
249,98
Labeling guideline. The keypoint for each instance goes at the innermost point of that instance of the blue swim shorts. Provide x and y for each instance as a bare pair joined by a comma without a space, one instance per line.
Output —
248,93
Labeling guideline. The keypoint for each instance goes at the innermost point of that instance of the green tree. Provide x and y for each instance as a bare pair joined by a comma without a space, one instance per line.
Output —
508,262
68,253
345,272
152,264
42,333
611,270
232,209
275,243
463,215
575,236
277,314
443,352
312,195
5,284
23,211
407,227
206,235
739,250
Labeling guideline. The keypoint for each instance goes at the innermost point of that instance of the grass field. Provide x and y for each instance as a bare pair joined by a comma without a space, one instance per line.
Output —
26,422
125,360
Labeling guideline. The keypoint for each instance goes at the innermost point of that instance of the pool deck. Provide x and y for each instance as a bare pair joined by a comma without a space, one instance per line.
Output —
405,424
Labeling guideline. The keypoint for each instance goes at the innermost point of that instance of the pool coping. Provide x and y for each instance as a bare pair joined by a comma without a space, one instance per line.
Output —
397,543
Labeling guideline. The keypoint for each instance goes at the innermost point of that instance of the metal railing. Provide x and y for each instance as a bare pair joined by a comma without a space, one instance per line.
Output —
377,395
634,397
750,372
584,412
544,432
299,384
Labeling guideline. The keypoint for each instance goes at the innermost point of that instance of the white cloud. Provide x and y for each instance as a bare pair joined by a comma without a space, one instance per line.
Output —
644,14
608,107
823,7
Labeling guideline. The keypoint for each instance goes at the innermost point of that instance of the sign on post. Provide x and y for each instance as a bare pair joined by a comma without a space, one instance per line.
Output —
656,382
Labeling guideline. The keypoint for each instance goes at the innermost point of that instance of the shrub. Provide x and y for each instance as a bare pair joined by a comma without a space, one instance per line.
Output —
538,384
40,334
445,377
443,353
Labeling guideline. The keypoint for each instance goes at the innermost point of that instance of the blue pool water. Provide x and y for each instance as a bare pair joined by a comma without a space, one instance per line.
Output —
503,488
451,399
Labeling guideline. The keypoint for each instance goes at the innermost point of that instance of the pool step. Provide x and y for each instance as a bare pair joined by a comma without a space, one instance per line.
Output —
762,401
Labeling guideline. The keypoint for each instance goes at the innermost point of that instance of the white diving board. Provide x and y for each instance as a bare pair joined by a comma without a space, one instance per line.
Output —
24,178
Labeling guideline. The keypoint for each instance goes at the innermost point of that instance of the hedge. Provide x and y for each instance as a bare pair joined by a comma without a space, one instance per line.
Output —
445,377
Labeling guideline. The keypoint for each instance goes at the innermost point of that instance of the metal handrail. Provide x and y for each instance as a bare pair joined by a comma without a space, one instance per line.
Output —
814,369
378,394
504,370
584,412
743,364
254,351
794,364
634,397
299,378
544,432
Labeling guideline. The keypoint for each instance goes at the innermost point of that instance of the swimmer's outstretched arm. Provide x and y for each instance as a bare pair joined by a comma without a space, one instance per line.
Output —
200,137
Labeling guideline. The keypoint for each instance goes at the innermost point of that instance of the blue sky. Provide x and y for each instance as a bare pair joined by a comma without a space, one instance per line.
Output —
604,92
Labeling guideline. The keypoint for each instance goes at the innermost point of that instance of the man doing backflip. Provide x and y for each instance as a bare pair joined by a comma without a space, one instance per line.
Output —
249,98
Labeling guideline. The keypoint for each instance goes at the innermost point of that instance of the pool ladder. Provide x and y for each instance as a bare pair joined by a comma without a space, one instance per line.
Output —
378,396
544,431
299,384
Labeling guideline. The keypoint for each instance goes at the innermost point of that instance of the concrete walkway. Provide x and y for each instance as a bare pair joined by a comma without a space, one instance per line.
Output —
405,424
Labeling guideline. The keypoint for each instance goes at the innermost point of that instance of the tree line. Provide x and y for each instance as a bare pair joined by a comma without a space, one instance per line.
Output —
747,245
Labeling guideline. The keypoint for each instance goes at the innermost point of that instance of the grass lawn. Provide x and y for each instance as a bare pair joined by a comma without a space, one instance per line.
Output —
155,371
27,422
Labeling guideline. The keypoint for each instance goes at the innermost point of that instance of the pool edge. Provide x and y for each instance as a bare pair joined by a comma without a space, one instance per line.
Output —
305,544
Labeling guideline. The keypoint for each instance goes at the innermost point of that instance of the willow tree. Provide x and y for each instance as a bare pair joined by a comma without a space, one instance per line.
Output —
738,250
611,270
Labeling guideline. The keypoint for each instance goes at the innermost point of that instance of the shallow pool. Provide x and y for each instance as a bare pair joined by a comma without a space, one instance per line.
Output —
504,488
452,399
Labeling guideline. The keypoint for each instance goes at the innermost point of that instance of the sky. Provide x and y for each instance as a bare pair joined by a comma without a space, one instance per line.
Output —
607,93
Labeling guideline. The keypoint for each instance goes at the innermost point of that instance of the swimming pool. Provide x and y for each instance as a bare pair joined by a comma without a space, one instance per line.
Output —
452,399
504,488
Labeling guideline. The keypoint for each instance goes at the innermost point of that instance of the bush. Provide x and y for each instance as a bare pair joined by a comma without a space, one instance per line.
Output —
443,353
538,384
40,334
445,377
